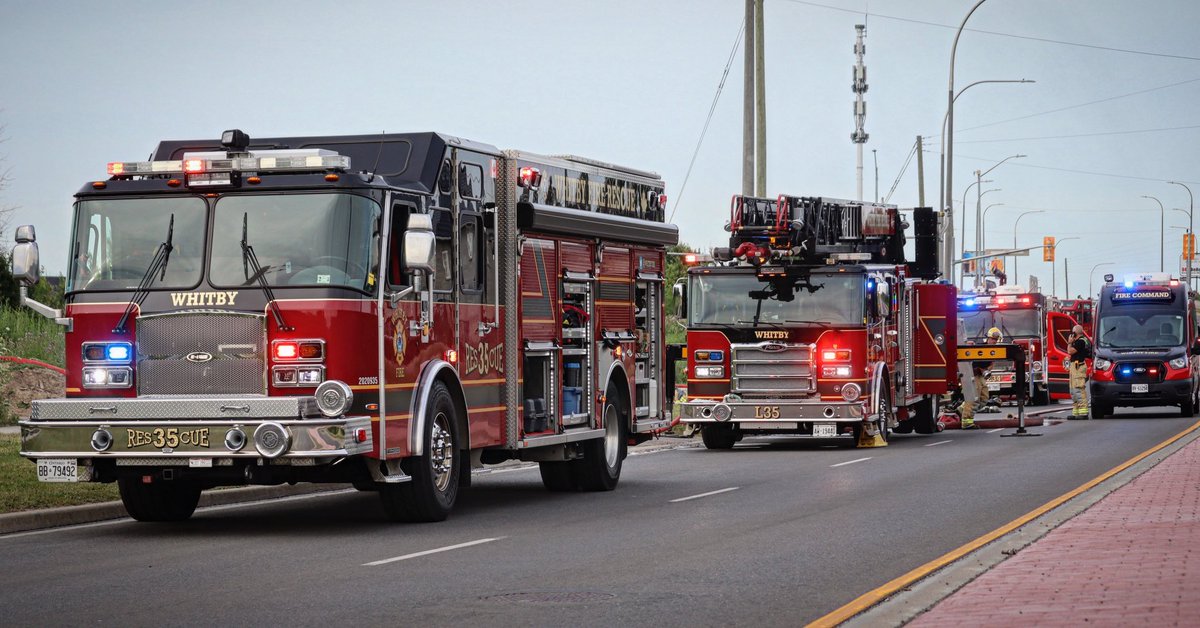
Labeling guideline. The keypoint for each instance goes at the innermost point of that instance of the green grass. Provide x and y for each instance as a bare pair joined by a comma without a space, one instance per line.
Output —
20,489
26,334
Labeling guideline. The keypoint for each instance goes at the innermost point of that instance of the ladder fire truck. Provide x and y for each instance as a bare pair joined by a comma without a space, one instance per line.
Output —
814,324
1024,318
388,311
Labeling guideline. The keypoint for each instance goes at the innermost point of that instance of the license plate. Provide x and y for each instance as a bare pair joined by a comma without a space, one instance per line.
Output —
57,470
824,430
1141,388
994,386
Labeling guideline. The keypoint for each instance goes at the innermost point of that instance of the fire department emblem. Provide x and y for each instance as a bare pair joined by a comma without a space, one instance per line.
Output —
399,332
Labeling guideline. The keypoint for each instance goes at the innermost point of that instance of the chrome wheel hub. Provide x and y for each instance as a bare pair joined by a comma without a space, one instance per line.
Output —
441,452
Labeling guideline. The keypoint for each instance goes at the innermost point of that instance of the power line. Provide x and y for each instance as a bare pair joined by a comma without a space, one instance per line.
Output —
903,169
1088,172
999,34
1063,137
712,108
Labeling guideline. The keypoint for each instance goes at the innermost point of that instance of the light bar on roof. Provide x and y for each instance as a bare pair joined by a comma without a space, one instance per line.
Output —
302,160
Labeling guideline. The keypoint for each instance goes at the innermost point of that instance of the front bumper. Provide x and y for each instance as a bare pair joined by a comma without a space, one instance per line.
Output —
1168,393
173,430
780,415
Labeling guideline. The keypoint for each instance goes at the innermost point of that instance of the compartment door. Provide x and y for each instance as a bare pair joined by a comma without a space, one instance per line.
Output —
1058,328
935,339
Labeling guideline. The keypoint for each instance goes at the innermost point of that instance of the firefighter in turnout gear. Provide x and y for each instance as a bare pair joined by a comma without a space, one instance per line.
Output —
981,391
1079,351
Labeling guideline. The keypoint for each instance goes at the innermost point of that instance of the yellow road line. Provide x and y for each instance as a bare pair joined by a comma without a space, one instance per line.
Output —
874,596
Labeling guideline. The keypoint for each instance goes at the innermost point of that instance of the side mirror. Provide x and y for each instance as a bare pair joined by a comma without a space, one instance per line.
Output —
25,233
680,291
25,266
418,243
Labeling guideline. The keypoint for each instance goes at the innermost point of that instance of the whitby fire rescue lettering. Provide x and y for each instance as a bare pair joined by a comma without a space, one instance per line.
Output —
771,335
193,299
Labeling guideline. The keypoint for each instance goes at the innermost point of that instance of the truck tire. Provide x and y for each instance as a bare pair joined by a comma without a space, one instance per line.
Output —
1041,396
1100,410
925,416
557,476
600,467
158,500
431,493
718,436
1187,409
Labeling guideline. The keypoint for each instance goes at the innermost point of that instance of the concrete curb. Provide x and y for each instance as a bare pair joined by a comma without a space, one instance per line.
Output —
105,511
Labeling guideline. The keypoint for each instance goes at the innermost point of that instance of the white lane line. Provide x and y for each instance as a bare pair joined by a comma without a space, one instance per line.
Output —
941,442
433,551
842,464
999,429
724,490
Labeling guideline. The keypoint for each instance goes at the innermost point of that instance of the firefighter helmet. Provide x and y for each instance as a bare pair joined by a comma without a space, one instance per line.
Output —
994,333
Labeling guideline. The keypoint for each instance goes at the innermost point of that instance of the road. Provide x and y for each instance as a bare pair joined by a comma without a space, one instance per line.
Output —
777,532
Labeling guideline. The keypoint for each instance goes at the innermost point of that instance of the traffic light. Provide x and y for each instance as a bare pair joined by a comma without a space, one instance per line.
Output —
1189,245
1048,249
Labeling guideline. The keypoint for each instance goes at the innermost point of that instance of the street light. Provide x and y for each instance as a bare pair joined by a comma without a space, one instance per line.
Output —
964,229
1191,226
979,218
1092,274
962,251
985,211
947,128
1162,221
1016,277
1054,266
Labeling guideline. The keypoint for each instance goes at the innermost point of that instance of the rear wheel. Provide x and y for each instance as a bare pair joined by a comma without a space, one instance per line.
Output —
557,476
158,500
600,467
1041,396
925,417
431,493
717,436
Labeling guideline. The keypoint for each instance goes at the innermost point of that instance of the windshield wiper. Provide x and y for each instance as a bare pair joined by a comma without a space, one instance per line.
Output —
250,262
757,322
161,255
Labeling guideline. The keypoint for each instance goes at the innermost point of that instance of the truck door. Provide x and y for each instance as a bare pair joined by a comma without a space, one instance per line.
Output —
935,339
1058,328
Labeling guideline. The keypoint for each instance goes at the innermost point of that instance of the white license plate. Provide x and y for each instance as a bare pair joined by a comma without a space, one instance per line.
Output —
824,430
57,470
1141,388
995,386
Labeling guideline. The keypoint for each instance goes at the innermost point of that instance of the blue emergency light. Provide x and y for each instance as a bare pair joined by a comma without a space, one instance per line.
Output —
1128,284
118,352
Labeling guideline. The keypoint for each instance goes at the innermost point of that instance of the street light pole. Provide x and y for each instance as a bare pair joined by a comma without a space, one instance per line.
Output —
875,157
949,137
962,252
979,195
1016,277
979,217
1054,265
1092,274
1162,229
1191,230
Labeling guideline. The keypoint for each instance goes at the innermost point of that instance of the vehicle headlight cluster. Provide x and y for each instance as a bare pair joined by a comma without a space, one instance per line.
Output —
1100,364
302,363
709,372
107,364
1179,362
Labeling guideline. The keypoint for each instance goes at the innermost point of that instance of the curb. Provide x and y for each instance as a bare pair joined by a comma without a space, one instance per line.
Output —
104,511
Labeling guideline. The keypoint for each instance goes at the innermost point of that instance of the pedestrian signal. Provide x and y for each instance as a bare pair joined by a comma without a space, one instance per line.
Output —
1048,249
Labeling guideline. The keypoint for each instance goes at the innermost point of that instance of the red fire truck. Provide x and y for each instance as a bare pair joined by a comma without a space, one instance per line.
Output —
1080,310
386,310
814,324
1023,318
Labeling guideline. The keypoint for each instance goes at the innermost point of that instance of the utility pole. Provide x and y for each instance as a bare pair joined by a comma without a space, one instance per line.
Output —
760,97
859,136
921,175
748,104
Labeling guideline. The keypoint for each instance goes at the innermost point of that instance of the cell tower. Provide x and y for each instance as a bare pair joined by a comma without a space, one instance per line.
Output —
859,136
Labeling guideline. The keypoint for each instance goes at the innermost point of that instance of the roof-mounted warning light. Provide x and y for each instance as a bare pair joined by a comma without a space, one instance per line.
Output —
235,140
528,177
267,161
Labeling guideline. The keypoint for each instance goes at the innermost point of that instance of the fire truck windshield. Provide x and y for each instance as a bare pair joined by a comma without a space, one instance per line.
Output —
116,239
740,299
299,240
1144,326
1011,323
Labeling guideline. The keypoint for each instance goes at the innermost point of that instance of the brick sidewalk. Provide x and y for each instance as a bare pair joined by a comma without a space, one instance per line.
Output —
1132,558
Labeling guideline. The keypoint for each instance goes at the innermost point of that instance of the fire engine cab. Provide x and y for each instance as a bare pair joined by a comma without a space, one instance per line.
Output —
812,323
386,310
1023,318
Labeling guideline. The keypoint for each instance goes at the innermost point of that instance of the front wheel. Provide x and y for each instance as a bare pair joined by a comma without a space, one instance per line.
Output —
1100,410
158,500
600,467
1187,409
718,436
431,493
1041,397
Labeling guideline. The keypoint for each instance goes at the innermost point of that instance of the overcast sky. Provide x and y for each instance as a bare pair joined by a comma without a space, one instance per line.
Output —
632,82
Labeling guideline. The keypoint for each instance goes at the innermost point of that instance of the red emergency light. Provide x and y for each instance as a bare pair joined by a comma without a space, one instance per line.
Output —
287,350
529,177
193,166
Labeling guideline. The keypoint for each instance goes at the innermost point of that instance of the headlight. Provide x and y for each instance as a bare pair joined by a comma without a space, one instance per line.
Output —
710,372
851,392
1100,364
1179,362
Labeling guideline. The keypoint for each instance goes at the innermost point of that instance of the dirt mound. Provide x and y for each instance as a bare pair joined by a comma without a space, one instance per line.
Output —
20,384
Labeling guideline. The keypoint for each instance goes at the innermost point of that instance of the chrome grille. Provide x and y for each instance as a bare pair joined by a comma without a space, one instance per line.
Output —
235,344
771,368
